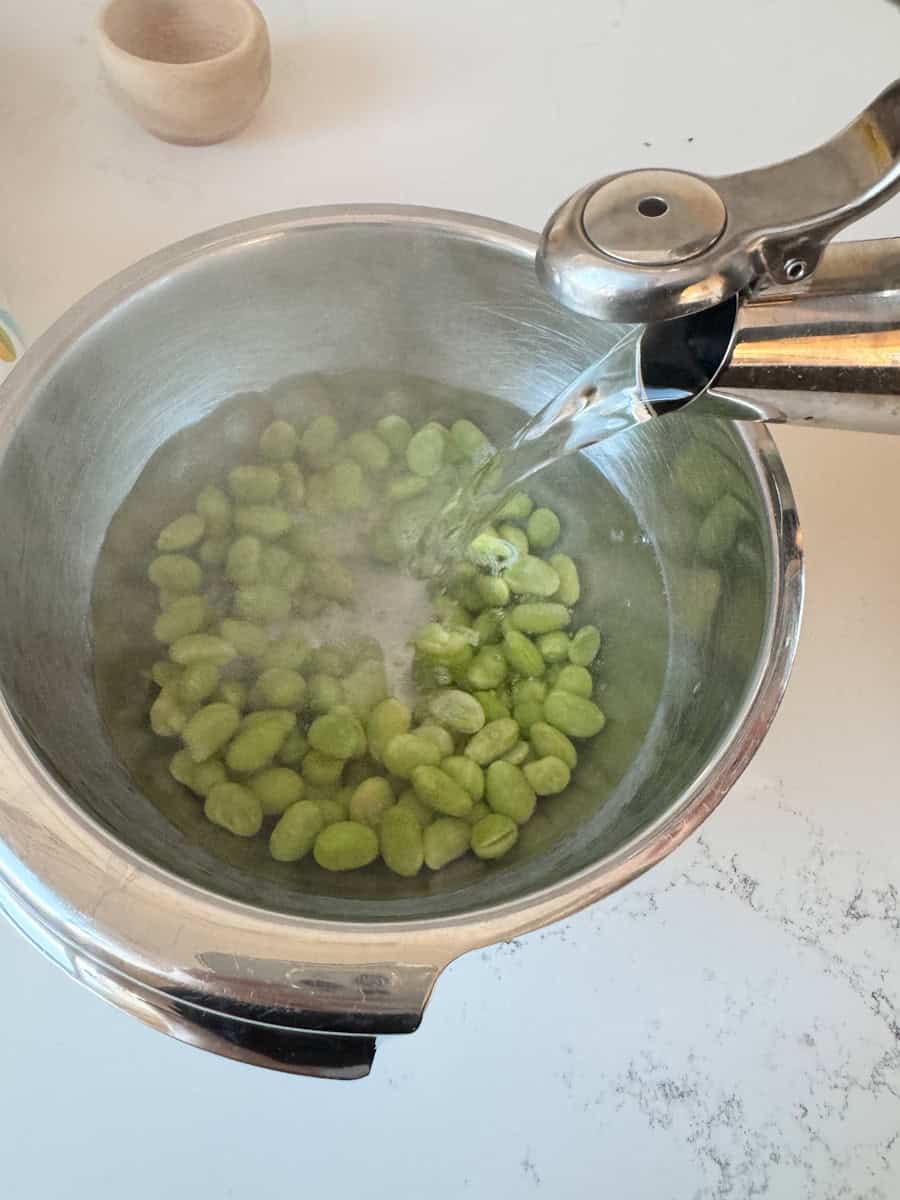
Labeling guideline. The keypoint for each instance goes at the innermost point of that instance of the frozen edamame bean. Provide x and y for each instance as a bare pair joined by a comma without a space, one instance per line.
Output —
293,748
233,692
569,583
467,773
207,775
409,800
515,536
290,652
293,486
445,840
425,451
440,791
325,693
539,616
479,811
254,485
327,660
527,713
330,579
296,832
175,573
319,439
248,640
547,776
277,687
457,710
548,742
493,836
509,792
487,669
262,520
522,654
347,486
213,552
260,738
187,614
396,431
492,590
404,487
164,672
235,808
182,767
585,646
279,441
531,576
517,508
322,770
370,801
542,528
215,509
492,741
386,721
209,729
528,690
439,736
405,751
262,602
276,789
369,450
520,753
345,846
365,687
168,713
574,679
338,733
196,646
469,441
490,551
488,628
718,531
198,681
182,533
573,715
331,808
242,563
441,644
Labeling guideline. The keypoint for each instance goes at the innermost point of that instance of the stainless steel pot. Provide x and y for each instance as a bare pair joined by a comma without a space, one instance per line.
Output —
94,874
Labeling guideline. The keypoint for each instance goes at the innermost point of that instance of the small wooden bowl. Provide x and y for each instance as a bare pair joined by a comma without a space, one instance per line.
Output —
190,71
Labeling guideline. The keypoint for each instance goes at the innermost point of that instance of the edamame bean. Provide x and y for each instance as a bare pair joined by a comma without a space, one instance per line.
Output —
259,740
445,840
168,713
522,654
569,583
386,721
276,789
175,573
539,616
325,693
293,748
369,450
194,647
279,441
327,660
531,576
370,801
293,486
492,591
440,791
182,767
213,552
277,687
479,811
438,736
548,776
467,773
322,770
181,534
330,579
520,753
186,615
345,846
490,551
319,439
405,752
457,710
396,431
242,563
235,808
493,836
365,687
338,733
491,705
207,775
198,681
548,742
425,451
215,509
488,628
515,536
248,639
296,832
492,741
233,692
574,679
542,528
573,715
164,672
487,669
517,508
347,486
210,729
469,441
585,646
404,487
441,644
331,808
528,690
527,713
262,521
508,791
262,602
254,485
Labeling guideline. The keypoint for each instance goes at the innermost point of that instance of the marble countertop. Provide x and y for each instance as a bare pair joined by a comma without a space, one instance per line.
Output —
727,1027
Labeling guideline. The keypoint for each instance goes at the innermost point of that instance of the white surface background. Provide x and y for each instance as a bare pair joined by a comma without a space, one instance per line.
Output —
727,1027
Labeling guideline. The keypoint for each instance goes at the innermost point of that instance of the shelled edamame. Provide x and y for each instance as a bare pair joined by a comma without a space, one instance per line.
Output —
302,743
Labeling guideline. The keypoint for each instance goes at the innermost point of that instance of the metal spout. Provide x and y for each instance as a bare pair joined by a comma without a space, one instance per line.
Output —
824,352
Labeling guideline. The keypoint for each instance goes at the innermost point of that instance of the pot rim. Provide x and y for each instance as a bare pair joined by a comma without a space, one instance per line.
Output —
138,919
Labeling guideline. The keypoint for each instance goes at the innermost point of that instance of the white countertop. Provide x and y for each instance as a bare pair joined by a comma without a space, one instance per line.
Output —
727,1027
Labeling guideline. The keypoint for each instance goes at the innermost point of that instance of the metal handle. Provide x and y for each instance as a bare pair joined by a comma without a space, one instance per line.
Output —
645,246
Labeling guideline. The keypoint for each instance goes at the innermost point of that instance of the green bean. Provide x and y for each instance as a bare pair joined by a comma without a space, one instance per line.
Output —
293,486
262,520
233,692
345,846
235,808
259,740
370,801
168,714
445,840
196,646
550,743
386,721
277,687
517,508
554,647
365,687
492,741
369,450
425,451
279,441
585,646
467,773
242,564
210,729
187,614
541,616
548,776
293,748
175,573
338,733
215,509
531,576
248,639
573,715
493,836
457,710
276,789
181,534
319,439
569,582
440,791
254,485
405,752
542,528
487,627
325,693
515,536
262,602
330,579
296,832
487,669
164,672
322,770
198,681
213,552
521,653
508,791
577,680
396,431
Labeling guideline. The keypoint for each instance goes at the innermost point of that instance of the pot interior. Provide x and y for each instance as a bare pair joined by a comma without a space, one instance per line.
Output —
157,396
